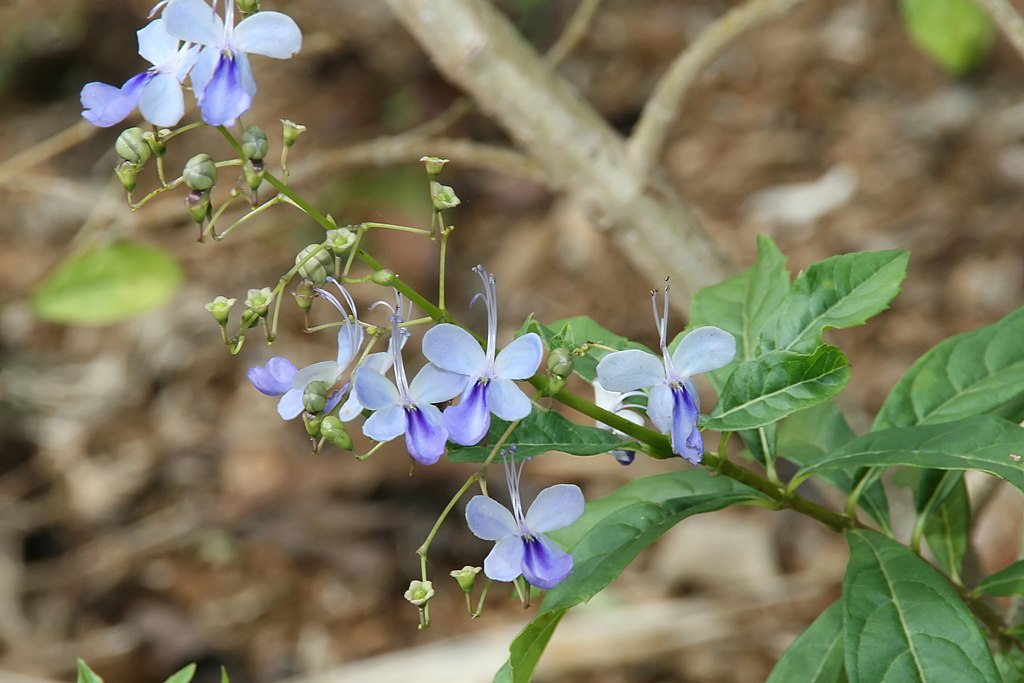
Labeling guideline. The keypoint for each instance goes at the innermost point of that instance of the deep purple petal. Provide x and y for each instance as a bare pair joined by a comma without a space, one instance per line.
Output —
425,435
488,519
630,370
508,401
505,561
624,457
274,378
224,98
556,507
469,420
684,423
545,565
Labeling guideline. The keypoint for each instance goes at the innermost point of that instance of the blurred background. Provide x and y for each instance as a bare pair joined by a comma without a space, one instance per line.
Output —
154,511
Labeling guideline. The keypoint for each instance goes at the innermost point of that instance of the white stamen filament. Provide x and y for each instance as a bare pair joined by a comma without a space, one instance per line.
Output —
491,302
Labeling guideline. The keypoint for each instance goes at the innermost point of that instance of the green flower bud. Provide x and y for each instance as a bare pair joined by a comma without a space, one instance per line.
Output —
338,241
254,170
560,362
254,143
419,592
131,147
127,172
442,196
292,131
434,166
304,295
200,172
385,277
259,300
466,578
220,309
312,422
248,6
314,398
334,431
318,268
155,141
198,203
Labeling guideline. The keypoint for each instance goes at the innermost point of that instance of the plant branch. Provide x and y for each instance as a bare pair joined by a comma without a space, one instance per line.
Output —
1008,20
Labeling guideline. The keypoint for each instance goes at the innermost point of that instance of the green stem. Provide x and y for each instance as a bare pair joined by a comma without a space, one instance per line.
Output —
249,214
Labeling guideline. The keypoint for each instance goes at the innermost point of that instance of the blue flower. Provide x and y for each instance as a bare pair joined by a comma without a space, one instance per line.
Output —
490,386
222,78
672,404
407,408
521,547
156,91
615,402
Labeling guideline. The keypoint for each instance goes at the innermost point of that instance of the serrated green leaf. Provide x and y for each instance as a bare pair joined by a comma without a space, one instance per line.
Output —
816,656
542,431
774,385
903,622
614,531
183,676
948,525
984,443
1008,581
955,33
970,374
839,292
582,329
85,674
107,284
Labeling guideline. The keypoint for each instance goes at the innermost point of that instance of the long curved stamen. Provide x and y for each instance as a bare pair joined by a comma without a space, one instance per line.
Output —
661,321
350,315
491,302
396,331
512,476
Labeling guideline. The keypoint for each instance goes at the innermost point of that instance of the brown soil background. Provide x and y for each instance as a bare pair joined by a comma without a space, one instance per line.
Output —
153,509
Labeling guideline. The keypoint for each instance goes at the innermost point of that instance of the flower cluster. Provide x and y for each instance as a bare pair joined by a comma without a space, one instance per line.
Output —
672,401
191,40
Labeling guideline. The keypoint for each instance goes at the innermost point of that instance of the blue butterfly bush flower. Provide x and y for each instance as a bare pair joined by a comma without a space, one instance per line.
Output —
403,407
672,404
280,377
521,547
222,78
156,91
490,379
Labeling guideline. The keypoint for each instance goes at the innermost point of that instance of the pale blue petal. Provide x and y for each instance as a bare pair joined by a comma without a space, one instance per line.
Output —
505,561
630,370
351,408
469,420
425,434
545,565
434,385
381,361
375,391
104,105
490,520
290,404
202,72
324,371
333,399
555,507
274,378
162,103
508,401
520,359
184,63
660,407
350,338
703,349
156,45
224,98
385,424
270,34
452,348
194,21
245,74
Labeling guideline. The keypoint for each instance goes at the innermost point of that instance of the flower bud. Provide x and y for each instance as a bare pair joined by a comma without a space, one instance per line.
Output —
312,422
155,141
220,309
560,362
259,300
127,172
131,147
466,578
248,6
254,170
442,196
304,295
419,592
385,277
314,398
292,131
198,203
200,172
254,142
318,268
339,240
434,166
334,431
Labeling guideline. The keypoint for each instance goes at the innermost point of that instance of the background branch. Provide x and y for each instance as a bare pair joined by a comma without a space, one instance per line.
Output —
1008,20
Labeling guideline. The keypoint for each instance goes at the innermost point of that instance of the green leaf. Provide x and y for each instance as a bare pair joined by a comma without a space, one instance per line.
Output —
1011,665
770,387
107,284
955,33
611,533
85,674
948,526
1008,581
578,330
842,291
816,656
184,675
542,431
903,621
969,374
224,675
985,443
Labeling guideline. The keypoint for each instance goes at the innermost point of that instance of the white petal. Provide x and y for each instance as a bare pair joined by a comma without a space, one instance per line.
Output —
703,349
659,408
520,359
554,508
270,34
505,561
195,21
350,338
452,348
508,401
630,370
324,371
290,404
488,519
374,390
162,103
385,424
156,45
434,385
